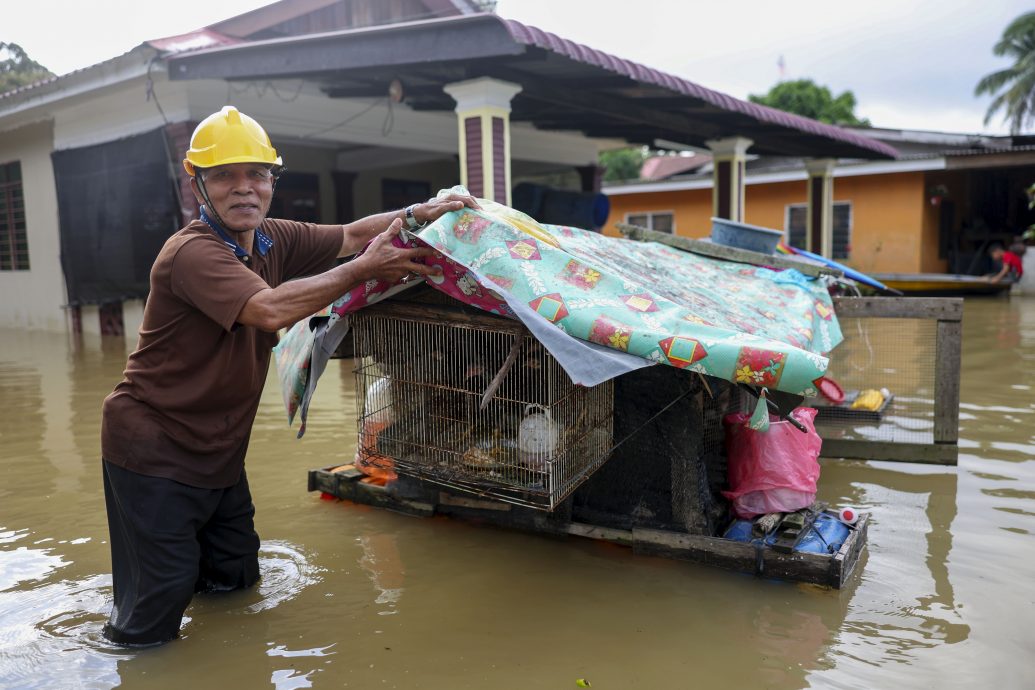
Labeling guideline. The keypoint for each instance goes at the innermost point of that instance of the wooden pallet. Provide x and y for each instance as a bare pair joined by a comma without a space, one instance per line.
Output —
830,570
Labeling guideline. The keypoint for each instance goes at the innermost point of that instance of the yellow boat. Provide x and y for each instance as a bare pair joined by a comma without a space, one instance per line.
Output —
940,284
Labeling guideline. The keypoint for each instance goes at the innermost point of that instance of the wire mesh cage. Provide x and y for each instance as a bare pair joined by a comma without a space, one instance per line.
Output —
427,413
890,356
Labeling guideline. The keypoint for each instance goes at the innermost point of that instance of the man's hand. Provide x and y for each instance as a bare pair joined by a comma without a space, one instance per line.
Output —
355,235
382,259
434,208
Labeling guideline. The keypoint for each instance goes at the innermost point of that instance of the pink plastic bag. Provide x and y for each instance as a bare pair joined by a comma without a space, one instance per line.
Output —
774,471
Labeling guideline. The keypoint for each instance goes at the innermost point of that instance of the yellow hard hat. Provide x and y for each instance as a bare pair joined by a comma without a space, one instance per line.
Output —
229,136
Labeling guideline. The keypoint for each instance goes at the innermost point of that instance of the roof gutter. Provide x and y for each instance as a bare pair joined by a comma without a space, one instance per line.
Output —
83,82
388,45
795,175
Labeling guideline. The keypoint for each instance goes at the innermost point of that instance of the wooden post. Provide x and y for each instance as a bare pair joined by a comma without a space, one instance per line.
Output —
591,177
948,355
344,197
948,315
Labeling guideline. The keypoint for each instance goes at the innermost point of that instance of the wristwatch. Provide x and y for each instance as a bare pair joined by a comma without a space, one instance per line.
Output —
411,221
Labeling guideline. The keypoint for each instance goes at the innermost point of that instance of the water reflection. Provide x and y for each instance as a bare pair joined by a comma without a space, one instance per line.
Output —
382,563
50,636
25,565
941,598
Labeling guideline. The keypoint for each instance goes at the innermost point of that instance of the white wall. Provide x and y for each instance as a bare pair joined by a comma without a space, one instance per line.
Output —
34,299
113,102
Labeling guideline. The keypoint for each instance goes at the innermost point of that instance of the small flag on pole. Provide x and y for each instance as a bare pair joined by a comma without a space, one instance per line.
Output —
780,65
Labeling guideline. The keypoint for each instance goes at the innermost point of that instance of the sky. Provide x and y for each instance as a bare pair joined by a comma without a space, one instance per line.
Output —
912,64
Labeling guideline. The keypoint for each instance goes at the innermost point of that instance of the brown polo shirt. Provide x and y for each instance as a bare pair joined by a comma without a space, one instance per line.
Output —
185,408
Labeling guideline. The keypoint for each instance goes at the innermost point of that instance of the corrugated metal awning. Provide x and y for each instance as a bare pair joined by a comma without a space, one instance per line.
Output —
565,85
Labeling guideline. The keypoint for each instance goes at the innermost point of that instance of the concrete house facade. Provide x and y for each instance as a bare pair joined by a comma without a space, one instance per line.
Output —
933,210
371,104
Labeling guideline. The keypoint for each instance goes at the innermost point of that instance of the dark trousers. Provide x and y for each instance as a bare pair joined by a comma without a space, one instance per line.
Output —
168,541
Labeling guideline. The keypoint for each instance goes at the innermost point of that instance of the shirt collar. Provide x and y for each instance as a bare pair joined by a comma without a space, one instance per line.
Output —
263,242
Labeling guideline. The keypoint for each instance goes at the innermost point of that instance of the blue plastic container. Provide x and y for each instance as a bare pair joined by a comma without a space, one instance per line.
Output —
826,535
744,236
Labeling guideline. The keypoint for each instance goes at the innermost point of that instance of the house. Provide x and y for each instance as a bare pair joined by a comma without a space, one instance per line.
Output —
371,105
934,209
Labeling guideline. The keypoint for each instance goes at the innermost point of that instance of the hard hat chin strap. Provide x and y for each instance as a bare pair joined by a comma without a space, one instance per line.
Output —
199,180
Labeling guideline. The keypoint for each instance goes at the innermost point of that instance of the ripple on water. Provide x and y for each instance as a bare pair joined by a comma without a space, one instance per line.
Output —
50,634
285,572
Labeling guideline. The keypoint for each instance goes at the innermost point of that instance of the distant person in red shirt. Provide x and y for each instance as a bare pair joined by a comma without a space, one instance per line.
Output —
1011,268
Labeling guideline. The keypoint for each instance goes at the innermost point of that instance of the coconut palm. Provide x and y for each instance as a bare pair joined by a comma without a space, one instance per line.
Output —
1013,87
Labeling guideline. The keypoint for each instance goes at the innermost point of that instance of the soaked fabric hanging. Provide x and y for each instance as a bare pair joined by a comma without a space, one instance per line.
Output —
601,305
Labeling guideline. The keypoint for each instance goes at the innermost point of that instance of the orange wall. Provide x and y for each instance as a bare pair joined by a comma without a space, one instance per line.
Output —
894,228
887,221
766,204
691,210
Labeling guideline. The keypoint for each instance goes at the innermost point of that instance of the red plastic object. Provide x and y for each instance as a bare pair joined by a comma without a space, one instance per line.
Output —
849,516
829,389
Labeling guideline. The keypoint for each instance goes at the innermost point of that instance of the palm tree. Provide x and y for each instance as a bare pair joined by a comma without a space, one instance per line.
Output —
1013,87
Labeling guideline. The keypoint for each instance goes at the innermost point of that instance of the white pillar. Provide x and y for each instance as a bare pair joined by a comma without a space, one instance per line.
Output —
483,116
819,215
728,156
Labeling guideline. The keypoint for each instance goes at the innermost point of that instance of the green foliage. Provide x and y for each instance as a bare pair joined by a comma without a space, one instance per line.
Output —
623,164
805,97
18,69
1013,88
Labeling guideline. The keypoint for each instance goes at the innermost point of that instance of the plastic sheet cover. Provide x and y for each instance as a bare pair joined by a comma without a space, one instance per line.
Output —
636,303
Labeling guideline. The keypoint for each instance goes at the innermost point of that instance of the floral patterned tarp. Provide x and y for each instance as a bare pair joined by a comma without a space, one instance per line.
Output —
734,321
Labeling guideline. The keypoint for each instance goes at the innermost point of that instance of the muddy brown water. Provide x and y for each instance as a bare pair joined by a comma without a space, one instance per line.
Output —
361,598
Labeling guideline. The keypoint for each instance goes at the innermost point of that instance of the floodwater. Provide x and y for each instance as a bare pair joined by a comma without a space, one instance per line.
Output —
362,598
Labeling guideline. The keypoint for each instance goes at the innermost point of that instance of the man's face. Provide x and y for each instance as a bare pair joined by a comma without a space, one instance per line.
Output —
240,193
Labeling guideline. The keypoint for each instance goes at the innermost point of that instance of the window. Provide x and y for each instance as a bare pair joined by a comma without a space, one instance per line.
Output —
14,242
660,221
842,231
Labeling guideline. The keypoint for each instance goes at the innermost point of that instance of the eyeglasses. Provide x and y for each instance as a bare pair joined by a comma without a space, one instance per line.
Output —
225,176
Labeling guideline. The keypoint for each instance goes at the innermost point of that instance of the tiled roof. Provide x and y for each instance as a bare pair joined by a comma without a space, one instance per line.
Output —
530,35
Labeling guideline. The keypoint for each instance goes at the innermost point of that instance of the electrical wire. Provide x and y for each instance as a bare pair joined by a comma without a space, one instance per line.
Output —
347,120
149,89
170,157
261,90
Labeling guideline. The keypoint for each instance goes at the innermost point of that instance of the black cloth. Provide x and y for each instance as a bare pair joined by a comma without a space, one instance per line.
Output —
116,207
168,541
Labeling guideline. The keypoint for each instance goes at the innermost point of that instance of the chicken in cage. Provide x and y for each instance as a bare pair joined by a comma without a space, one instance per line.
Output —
481,407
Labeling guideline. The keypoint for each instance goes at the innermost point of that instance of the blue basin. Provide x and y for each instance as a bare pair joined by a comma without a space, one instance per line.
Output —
744,236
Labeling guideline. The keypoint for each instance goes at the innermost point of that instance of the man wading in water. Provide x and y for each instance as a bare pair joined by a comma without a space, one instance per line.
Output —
175,430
